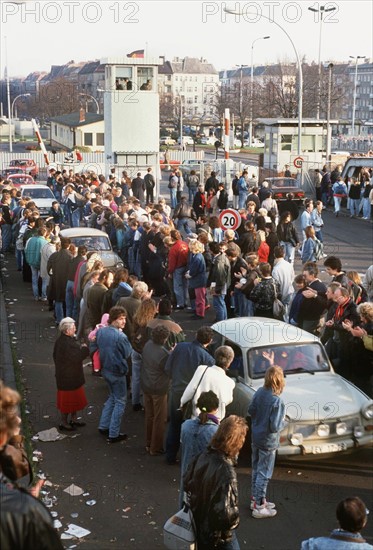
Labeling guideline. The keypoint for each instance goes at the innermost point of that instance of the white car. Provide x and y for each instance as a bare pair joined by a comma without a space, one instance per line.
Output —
94,239
41,195
208,140
326,413
187,140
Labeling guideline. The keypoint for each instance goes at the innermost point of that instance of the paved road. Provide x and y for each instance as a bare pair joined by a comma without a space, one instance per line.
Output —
134,492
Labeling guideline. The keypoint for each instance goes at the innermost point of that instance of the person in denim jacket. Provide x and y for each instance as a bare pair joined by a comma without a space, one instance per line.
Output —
267,411
352,518
115,350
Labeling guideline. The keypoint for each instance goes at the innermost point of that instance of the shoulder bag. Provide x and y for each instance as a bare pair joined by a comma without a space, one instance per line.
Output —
179,531
187,408
278,306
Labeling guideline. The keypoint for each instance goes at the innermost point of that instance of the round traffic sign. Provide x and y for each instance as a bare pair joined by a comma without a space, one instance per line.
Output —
298,162
229,219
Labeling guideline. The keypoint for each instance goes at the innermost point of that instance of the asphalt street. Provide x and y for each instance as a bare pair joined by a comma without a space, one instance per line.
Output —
135,493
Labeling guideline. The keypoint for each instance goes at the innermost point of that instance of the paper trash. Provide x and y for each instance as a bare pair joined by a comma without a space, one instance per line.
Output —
73,490
50,435
77,531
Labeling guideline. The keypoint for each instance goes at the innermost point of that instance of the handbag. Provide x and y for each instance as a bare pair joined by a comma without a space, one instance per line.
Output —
187,408
179,531
278,307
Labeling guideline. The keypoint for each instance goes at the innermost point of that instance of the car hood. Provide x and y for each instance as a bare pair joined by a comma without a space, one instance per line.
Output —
43,203
308,394
109,258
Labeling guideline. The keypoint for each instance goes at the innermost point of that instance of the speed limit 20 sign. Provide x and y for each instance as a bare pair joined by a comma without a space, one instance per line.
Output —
229,219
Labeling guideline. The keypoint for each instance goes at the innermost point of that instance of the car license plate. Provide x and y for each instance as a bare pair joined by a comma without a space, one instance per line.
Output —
326,448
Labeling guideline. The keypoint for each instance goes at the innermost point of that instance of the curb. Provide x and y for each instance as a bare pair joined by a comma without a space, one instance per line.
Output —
6,356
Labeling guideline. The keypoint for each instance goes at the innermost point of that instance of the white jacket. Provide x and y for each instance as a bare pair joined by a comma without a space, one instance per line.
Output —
214,379
283,273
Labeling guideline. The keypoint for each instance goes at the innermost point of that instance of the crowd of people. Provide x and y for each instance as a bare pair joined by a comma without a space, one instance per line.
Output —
179,258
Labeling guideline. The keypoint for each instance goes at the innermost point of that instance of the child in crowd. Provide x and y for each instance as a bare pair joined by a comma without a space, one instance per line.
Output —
96,364
267,411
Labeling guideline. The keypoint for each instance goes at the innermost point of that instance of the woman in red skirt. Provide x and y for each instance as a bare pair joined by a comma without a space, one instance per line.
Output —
68,358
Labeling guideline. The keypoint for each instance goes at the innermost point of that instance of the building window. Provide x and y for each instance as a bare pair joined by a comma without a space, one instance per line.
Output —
145,77
196,99
55,130
285,142
88,139
176,78
100,139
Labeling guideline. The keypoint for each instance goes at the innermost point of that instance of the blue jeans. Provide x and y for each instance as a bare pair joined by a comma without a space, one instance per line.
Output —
218,303
135,379
262,464
183,224
366,208
245,306
180,285
19,259
192,193
75,218
173,197
354,207
232,544
71,303
242,197
58,310
337,204
174,427
319,236
35,283
115,404
6,235
289,251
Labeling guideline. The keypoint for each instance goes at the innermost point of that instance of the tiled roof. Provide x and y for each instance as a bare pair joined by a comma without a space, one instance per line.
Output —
192,65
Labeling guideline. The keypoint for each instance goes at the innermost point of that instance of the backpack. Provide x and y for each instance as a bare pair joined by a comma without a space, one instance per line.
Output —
340,189
235,186
318,250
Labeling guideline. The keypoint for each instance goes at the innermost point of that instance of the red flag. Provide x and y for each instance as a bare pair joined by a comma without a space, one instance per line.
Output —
136,54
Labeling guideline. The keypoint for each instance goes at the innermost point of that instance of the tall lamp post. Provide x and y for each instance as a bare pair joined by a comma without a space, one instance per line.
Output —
357,57
14,100
300,72
93,99
328,136
241,101
321,10
252,87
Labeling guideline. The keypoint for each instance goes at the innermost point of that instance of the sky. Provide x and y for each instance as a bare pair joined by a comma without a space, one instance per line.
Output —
44,33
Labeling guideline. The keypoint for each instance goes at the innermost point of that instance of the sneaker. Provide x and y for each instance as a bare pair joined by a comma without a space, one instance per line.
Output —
120,437
263,512
267,504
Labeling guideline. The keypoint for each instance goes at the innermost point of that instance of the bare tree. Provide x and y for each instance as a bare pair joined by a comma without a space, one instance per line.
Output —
57,97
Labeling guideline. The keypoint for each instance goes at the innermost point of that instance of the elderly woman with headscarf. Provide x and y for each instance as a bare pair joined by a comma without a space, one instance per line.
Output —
68,358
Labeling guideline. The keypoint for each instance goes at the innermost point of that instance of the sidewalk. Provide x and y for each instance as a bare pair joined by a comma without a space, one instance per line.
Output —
6,356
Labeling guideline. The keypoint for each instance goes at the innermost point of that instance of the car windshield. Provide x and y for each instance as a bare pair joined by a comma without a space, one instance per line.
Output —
18,163
38,193
285,182
21,180
92,243
293,359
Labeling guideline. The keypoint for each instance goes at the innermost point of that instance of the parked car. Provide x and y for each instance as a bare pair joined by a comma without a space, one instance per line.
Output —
42,196
187,165
326,413
167,141
208,140
27,166
94,239
20,179
187,140
282,186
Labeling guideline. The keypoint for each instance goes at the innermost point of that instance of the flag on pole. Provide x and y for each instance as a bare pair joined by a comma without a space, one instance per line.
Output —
136,54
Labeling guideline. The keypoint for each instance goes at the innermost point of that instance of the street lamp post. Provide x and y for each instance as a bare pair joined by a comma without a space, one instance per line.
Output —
13,102
241,102
300,72
328,137
252,87
320,10
357,57
93,98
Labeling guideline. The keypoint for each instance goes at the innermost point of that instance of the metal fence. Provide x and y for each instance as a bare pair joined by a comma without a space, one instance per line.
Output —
353,145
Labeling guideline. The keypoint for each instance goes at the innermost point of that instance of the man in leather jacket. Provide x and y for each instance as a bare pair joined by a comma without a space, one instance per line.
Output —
24,521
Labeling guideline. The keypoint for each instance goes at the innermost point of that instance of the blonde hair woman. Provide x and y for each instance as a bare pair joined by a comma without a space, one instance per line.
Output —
196,275
267,411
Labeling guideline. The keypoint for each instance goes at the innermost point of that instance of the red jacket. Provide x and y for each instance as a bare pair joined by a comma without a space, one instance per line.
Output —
178,256
263,252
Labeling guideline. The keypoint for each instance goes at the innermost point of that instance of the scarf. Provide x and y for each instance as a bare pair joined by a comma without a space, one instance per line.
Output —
340,310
